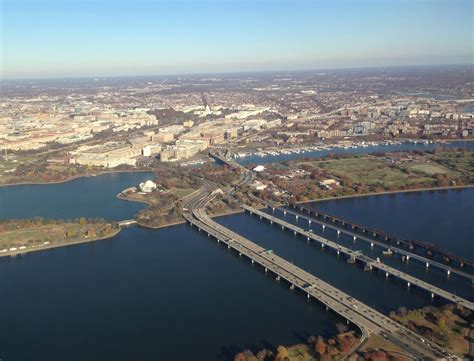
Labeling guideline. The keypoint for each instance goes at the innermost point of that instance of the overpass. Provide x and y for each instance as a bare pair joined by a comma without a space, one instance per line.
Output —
373,241
127,222
367,319
410,244
367,261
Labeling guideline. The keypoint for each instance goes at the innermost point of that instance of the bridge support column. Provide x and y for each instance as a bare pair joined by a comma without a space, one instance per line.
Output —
294,233
427,264
271,222
307,238
408,258
308,296
408,284
282,228
292,287
372,244
324,226
208,235
309,221
338,232
432,295
253,261
386,274
322,245
354,238
260,217
374,234
273,209
284,213
277,278
448,272
240,254
251,213
228,247
218,240
266,270
296,217
338,252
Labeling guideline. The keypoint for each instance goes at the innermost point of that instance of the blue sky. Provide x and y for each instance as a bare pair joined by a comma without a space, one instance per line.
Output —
54,38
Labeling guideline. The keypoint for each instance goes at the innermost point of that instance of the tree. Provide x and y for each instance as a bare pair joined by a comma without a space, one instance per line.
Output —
282,353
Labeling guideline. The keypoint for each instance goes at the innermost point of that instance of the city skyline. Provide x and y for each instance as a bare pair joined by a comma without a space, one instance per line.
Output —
91,39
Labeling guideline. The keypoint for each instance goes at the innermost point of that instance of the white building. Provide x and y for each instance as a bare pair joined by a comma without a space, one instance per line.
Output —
147,186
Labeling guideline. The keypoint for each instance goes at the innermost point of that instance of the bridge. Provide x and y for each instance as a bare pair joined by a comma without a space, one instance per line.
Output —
407,254
367,319
127,223
367,261
410,244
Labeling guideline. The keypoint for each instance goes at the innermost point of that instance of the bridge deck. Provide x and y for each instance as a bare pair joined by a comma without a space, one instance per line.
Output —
367,260
395,249
365,317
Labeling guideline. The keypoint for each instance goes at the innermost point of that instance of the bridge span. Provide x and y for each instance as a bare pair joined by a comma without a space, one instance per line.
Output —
410,244
367,319
405,253
367,261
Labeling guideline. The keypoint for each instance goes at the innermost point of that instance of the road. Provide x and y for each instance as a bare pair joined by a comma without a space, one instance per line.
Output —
367,319
413,281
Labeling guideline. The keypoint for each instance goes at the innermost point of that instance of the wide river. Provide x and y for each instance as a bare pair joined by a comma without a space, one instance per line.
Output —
173,294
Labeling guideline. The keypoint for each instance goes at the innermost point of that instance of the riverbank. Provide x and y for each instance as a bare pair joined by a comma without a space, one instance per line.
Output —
387,192
77,177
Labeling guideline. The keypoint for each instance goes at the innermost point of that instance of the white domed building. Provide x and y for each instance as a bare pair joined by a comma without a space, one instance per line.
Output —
147,186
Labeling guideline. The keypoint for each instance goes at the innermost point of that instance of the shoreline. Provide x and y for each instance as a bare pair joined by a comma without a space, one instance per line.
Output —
467,186
52,246
75,177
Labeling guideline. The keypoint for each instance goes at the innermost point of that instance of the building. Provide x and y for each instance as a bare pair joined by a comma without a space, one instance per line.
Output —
147,186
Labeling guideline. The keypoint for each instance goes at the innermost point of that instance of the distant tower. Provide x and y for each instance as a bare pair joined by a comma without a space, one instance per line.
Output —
205,102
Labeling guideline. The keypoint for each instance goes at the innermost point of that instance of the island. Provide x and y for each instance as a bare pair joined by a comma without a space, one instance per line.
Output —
23,236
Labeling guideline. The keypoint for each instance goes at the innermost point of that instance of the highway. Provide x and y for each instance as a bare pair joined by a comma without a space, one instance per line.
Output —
412,281
395,249
366,318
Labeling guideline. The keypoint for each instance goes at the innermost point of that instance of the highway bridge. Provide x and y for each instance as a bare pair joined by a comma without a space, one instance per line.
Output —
409,244
338,227
367,261
364,317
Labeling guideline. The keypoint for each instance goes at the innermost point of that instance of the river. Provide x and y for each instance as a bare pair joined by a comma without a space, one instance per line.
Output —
255,159
172,293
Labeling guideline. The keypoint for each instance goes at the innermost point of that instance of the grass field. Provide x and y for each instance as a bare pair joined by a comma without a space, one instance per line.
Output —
373,171
57,233
429,168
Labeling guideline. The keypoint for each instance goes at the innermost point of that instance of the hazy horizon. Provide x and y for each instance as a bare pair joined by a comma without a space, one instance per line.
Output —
53,39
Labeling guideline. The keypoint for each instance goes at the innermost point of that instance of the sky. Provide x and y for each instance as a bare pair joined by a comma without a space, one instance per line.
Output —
67,38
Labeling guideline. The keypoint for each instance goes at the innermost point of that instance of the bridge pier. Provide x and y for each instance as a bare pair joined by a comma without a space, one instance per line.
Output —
273,209
322,245
354,238
386,274
266,270
372,244
240,254
427,264
448,272
432,295
338,252
338,232
408,284
308,296
260,217
277,278
284,213
282,228
408,258
324,226
296,217
309,221
271,222
292,287
294,233
228,247
253,261
307,238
